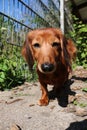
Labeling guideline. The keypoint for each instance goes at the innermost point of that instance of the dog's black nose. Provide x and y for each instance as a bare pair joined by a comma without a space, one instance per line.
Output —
47,67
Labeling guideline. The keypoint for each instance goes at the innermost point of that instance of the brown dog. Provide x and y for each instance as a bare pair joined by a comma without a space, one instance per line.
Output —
53,54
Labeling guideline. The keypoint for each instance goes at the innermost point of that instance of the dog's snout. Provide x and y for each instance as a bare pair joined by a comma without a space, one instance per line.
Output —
47,67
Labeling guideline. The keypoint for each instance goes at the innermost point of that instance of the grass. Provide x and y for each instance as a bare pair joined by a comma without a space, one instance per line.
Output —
76,103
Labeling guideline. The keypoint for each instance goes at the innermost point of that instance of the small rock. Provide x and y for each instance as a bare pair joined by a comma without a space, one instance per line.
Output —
29,117
15,127
15,100
71,108
71,98
52,107
31,105
14,91
81,112
78,95
26,83
85,94
20,88
76,88
35,84
11,97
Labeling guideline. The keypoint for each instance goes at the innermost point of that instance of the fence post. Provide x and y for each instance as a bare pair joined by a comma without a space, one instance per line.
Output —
62,15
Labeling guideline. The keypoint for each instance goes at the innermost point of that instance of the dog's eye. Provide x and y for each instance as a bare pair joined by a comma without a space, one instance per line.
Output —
36,45
55,44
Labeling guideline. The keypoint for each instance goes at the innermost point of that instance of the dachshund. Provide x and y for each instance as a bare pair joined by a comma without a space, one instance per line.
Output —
53,54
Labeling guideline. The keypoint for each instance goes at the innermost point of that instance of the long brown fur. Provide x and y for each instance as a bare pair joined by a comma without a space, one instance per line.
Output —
53,54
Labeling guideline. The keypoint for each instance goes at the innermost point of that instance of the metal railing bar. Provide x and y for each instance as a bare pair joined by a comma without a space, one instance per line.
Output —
33,11
55,5
49,10
14,44
16,20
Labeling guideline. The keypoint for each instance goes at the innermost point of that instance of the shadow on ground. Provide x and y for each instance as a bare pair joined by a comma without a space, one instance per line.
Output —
82,125
62,96
84,79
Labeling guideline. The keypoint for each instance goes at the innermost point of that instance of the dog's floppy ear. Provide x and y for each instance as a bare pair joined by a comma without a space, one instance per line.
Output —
27,53
65,57
68,52
71,49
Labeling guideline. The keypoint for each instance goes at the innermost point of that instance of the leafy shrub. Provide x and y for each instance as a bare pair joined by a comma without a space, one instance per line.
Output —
79,35
10,72
33,74
84,89
13,69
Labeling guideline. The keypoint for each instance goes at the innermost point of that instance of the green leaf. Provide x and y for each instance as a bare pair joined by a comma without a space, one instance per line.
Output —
83,55
82,104
84,89
75,102
2,75
14,64
1,80
5,67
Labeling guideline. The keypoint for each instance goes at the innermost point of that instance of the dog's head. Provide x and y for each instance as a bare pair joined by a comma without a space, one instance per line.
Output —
49,48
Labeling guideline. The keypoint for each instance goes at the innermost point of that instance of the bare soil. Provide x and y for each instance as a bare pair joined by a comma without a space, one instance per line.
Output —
67,111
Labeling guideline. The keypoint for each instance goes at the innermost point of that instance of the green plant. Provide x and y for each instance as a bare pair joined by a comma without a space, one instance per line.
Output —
13,70
80,38
10,70
76,103
10,73
84,89
31,75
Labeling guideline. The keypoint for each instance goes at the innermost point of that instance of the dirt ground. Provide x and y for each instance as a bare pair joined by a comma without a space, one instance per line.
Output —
68,111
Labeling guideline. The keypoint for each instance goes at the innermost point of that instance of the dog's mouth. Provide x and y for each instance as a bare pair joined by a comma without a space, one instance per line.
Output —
46,68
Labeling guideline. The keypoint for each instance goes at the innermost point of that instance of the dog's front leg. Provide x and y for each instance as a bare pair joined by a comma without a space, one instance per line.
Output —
44,99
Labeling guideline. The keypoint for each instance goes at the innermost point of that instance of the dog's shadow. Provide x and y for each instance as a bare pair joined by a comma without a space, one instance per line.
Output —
62,95
81,125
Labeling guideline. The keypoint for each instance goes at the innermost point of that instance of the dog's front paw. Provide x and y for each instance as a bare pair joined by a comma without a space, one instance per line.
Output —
43,102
